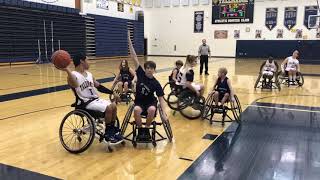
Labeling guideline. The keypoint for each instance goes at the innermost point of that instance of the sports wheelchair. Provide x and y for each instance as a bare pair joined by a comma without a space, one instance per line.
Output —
263,82
185,101
155,135
128,97
80,126
283,78
210,109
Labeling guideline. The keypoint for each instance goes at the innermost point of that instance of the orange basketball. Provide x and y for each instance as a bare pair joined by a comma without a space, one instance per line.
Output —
61,59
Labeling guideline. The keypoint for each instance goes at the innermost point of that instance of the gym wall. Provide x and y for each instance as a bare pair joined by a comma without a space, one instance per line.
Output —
167,27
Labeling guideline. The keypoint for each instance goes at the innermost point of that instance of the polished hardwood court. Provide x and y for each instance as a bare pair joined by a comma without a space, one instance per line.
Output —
32,108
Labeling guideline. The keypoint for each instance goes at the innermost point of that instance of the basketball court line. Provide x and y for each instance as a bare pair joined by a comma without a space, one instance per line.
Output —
289,109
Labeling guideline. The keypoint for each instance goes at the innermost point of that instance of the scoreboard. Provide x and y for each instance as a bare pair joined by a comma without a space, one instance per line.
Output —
232,11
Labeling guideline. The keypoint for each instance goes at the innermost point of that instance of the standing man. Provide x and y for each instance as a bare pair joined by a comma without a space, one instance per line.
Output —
204,53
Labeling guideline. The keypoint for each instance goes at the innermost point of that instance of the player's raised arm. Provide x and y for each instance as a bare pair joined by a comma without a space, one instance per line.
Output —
133,54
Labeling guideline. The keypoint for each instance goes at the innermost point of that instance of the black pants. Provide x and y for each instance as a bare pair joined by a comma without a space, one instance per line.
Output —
204,60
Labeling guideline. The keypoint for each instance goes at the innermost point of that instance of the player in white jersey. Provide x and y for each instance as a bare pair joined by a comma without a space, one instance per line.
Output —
269,67
186,76
85,87
291,65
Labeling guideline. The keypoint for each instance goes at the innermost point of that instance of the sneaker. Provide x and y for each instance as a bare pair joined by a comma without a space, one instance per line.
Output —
111,139
207,74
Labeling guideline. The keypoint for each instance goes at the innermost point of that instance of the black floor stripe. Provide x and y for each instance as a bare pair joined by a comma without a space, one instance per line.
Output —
13,173
187,159
19,95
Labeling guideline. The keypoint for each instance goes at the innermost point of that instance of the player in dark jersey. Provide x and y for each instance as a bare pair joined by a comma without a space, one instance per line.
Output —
222,88
125,78
145,101
174,73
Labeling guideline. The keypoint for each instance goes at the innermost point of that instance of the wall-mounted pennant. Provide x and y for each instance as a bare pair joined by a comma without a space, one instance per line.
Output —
309,10
271,18
198,21
290,17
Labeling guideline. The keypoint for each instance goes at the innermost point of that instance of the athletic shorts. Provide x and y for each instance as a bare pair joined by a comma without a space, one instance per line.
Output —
221,95
291,69
98,105
197,87
145,107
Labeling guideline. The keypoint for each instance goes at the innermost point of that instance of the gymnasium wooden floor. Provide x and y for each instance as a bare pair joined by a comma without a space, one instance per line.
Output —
30,118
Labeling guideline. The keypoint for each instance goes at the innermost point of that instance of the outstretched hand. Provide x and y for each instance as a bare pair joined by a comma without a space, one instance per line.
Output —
63,69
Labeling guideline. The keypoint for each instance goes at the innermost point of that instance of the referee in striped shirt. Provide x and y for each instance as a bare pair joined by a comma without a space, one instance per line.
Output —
204,53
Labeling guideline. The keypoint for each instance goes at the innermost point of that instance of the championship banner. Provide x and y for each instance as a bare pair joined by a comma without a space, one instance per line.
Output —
290,17
271,18
309,10
232,11
198,21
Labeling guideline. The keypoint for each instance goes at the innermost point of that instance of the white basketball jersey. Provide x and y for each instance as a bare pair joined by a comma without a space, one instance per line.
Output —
292,63
182,76
86,89
270,66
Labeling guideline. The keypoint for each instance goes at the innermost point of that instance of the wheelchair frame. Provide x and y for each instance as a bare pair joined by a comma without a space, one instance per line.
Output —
184,98
261,82
210,110
154,132
129,96
95,120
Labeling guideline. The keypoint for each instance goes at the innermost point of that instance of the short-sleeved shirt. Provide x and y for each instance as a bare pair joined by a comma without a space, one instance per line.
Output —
145,88
86,90
292,62
185,74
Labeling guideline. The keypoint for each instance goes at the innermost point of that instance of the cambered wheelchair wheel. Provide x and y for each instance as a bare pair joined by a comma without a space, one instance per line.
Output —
167,90
281,78
189,106
172,100
77,131
300,79
126,119
166,125
257,81
236,109
207,106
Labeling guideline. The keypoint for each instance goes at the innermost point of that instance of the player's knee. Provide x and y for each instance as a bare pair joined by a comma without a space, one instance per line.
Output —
126,84
151,110
120,83
137,110
216,94
226,95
